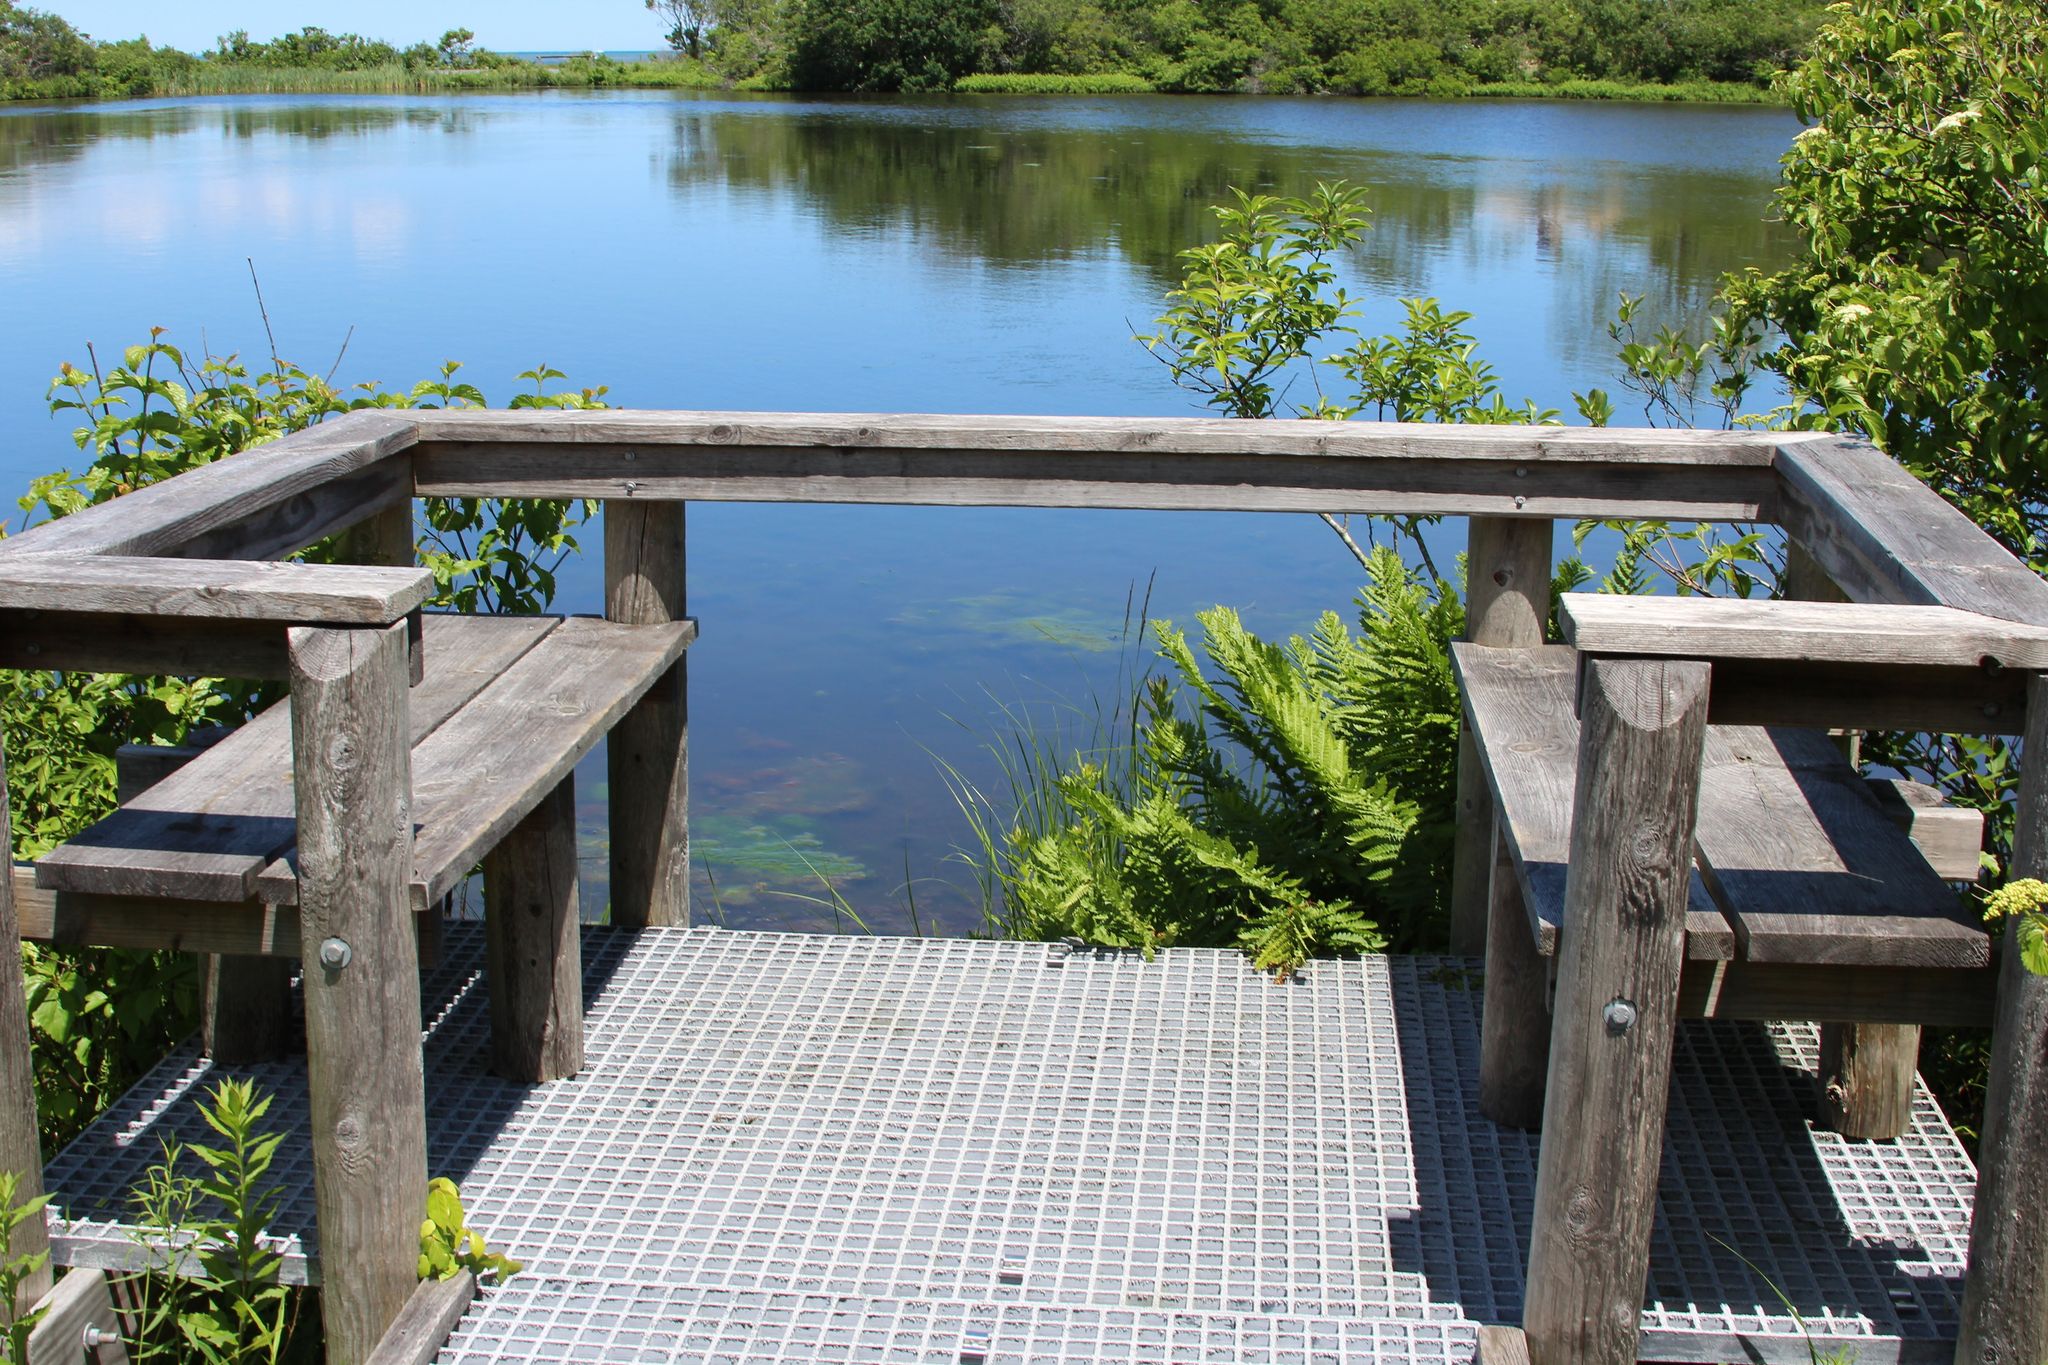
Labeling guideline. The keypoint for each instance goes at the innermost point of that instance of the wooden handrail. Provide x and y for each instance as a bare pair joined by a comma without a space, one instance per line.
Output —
1722,628
213,589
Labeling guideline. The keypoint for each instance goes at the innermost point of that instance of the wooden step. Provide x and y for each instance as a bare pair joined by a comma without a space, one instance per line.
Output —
1797,863
507,706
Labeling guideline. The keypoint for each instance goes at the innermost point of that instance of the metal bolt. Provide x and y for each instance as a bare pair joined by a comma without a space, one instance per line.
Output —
1521,471
1521,501
1620,1016
96,1336
632,454
336,954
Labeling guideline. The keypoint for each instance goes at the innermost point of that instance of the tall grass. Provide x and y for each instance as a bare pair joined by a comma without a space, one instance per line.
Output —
1101,83
1641,92
1037,745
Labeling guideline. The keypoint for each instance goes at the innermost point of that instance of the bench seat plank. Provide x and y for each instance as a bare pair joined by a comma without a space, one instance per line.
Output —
1809,866
496,759
1794,850
208,830
1520,702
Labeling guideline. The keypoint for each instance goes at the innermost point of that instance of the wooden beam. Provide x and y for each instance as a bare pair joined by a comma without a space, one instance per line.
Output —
1839,696
351,775
81,1302
1507,606
1948,997
20,1143
430,1315
1951,838
1514,1034
1884,536
1184,464
214,589
534,944
1730,628
648,754
346,505
2005,1295
1616,1009
164,517
82,920
99,642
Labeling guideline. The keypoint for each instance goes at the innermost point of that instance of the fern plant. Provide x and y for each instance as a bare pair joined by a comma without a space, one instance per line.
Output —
1291,799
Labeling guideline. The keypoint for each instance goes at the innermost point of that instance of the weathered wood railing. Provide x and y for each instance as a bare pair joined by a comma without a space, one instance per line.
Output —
95,590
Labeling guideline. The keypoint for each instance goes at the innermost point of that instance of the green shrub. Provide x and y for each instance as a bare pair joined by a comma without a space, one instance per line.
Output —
1104,83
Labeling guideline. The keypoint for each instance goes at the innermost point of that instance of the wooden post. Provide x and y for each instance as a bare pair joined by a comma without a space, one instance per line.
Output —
649,750
1507,605
20,1147
1642,727
2005,1295
534,945
1866,1070
351,772
1514,1039
385,537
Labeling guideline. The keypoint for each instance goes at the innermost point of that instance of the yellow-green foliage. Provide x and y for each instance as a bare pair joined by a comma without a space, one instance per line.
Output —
448,1244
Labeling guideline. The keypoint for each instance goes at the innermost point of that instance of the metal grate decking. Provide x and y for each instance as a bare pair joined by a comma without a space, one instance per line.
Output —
794,1148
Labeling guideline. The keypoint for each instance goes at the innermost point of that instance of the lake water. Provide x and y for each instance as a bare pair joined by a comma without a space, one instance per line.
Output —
962,255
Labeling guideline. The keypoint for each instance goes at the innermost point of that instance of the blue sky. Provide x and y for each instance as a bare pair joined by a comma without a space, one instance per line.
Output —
508,25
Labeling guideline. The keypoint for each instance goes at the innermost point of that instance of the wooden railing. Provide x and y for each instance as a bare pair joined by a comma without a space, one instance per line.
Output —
147,583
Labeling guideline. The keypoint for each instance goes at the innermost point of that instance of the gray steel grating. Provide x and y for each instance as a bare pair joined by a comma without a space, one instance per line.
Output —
786,1146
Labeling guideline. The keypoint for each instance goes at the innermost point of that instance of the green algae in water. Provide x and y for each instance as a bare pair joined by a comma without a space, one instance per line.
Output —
1018,618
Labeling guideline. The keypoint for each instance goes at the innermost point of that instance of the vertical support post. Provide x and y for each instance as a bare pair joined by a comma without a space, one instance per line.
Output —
1514,1037
649,750
1642,725
384,537
20,1146
1866,1070
1507,605
2005,1295
534,944
351,771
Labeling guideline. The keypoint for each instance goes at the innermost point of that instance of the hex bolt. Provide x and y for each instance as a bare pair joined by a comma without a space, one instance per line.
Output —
1620,1016
96,1336
336,954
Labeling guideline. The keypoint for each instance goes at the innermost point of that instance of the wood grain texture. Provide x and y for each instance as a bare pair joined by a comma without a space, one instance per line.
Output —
1642,731
210,830
138,767
1951,838
1514,1035
1835,696
1502,1346
161,518
1726,628
1521,702
386,535
1808,867
101,642
1034,434
2005,1296
648,758
1865,1079
20,1145
345,505
214,589
80,1300
1950,997
430,1315
1507,606
1422,482
533,947
480,773
364,1078
76,919
1886,537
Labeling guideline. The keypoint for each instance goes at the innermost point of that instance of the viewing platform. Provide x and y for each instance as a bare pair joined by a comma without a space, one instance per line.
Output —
1667,1077
788,1148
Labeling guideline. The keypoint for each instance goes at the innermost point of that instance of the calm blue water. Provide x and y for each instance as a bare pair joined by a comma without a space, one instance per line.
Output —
941,254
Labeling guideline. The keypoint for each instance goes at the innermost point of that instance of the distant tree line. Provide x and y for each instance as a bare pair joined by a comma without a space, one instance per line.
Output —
1358,47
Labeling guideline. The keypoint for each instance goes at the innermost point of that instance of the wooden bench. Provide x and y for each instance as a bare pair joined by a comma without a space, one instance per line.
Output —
505,708
1807,899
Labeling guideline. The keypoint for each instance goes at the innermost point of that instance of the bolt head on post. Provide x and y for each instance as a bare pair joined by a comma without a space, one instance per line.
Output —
335,954
1620,1016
